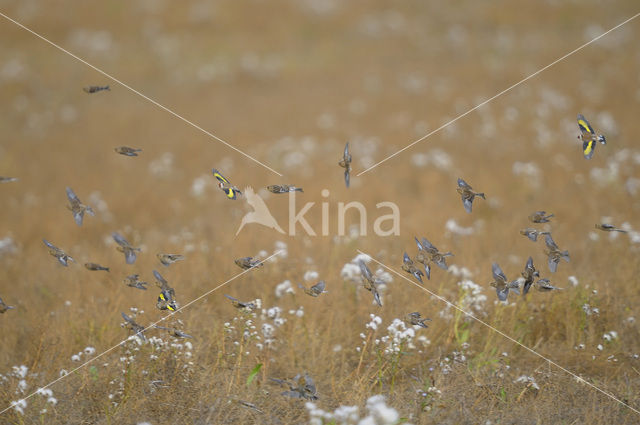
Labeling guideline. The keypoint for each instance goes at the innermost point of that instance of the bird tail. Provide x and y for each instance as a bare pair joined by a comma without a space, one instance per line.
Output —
481,195
298,189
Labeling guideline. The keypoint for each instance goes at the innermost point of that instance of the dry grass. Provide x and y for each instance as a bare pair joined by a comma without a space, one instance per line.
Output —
274,78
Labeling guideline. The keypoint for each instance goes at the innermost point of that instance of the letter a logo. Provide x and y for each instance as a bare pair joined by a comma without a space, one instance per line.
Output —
260,213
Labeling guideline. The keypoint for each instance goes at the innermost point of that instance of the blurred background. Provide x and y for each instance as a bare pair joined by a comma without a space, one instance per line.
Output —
289,82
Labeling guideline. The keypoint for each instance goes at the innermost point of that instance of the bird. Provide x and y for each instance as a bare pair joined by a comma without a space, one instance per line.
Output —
501,284
554,253
126,248
543,285
95,267
136,328
285,188
529,274
63,258
416,319
166,299
4,307
231,191
77,208
95,89
609,228
370,282
532,234
540,217
409,267
260,213
241,305
316,290
301,386
174,332
135,282
247,263
8,179
588,137
345,163
168,259
127,151
467,194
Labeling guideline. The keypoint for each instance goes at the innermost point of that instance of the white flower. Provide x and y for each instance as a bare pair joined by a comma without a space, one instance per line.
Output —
284,288
19,406
311,275
75,358
89,351
20,371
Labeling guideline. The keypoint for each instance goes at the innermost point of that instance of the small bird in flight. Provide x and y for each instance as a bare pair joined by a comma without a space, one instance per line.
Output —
588,137
132,325
285,188
316,290
166,299
8,179
543,285
63,258
554,253
370,282
501,283
77,208
609,228
4,307
134,281
540,217
231,191
241,305
127,151
409,266
95,267
345,163
95,89
247,263
529,274
168,259
467,194
532,234
126,248
177,333
416,319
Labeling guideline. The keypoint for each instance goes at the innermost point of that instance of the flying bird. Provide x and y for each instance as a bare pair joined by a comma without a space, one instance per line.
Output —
4,307
231,191
95,89
467,194
409,267
540,217
135,282
136,328
168,259
8,179
285,188
609,228
260,213
345,163
532,234
369,282
416,319
127,151
554,253
241,305
529,274
166,299
77,208
588,137
247,263
63,258
173,332
95,267
126,248
501,283
543,285
316,290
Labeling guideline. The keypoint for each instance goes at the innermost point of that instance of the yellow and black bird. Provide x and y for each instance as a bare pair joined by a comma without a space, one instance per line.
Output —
95,267
230,190
345,163
467,194
166,299
316,290
588,137
126,248
127,151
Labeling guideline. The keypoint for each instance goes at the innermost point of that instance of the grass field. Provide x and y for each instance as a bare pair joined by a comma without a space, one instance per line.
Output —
288,83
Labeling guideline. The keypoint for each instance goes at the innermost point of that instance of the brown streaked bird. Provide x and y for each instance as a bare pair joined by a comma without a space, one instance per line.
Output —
416,319
126,248
166,299
529,274
285,188
301,386
532,234
409,267
345,163
543,285
177,333
135,282
247,263
316,290
370,282
77,208
133,326
540,217
95,267
8,179
554,253
96,89
501,283
63,258
4,307
467,194
127,151
609,228
168,259
241,305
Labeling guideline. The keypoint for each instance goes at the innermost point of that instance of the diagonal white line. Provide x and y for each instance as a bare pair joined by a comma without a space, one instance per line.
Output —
145,329
192,124
499,94
578,378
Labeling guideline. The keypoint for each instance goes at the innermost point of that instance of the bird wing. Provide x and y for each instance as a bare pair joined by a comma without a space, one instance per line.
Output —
584,125
498,274
463,184
160,279
219,176
72,196
119,239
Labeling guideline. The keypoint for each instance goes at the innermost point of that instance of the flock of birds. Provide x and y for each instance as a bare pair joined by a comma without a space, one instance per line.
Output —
302,386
